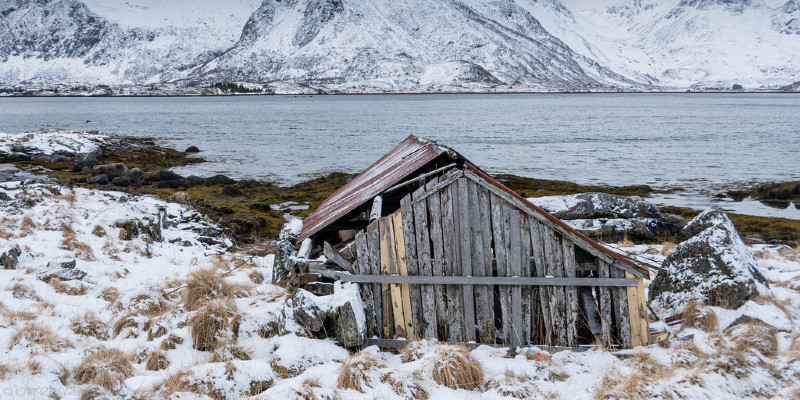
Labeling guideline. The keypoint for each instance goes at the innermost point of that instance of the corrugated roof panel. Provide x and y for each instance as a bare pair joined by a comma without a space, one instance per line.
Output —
410,155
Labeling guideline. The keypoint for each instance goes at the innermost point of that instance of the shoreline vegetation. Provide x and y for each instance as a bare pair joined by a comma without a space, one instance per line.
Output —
253,210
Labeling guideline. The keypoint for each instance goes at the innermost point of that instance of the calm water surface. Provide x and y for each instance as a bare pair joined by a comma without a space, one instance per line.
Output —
703,142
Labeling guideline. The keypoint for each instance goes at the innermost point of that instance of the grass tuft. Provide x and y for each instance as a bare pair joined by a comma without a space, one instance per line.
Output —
90,325
213,325
357,371
106,368
33,335
697,315
454,367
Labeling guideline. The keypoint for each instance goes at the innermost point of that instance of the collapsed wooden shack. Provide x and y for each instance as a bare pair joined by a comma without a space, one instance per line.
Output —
441,250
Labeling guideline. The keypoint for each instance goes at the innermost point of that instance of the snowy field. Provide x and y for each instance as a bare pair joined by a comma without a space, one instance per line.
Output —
166,309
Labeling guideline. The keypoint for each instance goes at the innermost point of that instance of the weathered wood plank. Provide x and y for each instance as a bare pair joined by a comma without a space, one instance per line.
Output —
398,240
366,289
413,262
620,297
589,247
466,232
606,311
374,245
545,330
637,307
515,269
489,280
377,208
452,254
338,259
570,292
438,266
386,269
426,325
501,259
525,272
482,262
554,267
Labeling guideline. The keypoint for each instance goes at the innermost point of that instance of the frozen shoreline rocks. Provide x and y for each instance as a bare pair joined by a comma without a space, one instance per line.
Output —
712,266
611,217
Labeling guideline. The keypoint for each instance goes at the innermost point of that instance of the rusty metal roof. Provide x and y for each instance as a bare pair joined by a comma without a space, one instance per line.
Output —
407,157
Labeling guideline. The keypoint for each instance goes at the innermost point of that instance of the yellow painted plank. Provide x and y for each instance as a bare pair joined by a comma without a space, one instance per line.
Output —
402,269
638,315
385,263
396,294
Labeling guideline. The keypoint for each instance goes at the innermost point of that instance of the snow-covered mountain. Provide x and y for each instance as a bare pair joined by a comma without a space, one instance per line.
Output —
403,45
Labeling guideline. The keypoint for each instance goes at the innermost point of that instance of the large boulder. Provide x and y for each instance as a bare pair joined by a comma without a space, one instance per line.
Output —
113,170
10,258
712,266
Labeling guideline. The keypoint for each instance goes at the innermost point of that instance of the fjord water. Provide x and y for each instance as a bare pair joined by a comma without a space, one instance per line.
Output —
705,143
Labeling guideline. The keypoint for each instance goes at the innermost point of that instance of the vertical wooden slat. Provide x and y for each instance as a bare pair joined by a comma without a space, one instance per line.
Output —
452,252
515,269
554,267
438,266
545,331
571,293
499,233
426,320
605,305
363,262
525,259
637,311
413,262
386,269
374,246
621,309
466,225
404,325
482,261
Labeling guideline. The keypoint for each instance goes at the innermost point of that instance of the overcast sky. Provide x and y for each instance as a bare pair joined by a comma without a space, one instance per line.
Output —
578,5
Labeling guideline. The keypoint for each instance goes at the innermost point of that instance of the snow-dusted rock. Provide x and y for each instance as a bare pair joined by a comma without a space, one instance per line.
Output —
64,274
9,258
307,312
113,170
713,266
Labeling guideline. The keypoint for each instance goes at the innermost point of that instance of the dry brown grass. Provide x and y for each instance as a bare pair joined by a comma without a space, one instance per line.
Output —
177,383
755,337
228,352
37,335
69,288
256,277
106,368
14,316
408,387
27,226
4,371
205,285
214,324
90,325
70,242
150,304
171,342
513,385
133,324
109,294
625,242
99,231
20,291
616,386
667,248
156,361
763,254
697,315
357,371
415,350
454,367
790,253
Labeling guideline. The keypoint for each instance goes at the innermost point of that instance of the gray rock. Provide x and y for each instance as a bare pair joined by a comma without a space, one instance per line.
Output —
165,175
319,288
796,189
101,179
121,181
179,197
307,313
69,264
18,157
80,165
62,274
194,180
135,174
346,327
172,184
283,272
9,259
113,170
597,205
192,149
713,266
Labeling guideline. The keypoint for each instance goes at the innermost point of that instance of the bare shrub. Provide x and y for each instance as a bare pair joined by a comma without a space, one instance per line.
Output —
33,334
156,361
133,324
90,325
356,372
667,248
106,368
214,324
454,367
697,315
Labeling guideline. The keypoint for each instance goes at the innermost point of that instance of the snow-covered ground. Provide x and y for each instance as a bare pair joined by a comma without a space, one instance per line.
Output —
138,304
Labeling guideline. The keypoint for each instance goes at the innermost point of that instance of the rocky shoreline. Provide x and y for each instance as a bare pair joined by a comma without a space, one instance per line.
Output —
252,210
